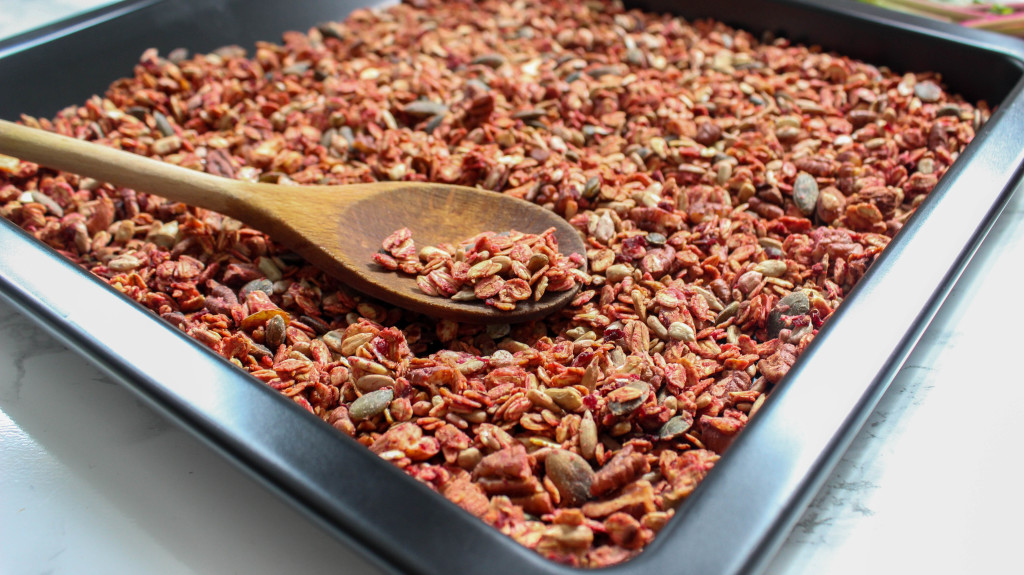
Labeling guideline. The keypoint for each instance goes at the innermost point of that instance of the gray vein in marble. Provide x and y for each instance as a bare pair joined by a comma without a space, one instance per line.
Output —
26,342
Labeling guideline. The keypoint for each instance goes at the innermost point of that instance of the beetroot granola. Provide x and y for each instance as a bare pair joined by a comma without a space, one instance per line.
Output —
497,268
731,191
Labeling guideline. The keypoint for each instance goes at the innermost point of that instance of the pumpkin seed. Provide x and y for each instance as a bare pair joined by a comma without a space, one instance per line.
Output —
371,404
592,187
162,124
571,475
676,426
729,311
805,193
275,331
490,60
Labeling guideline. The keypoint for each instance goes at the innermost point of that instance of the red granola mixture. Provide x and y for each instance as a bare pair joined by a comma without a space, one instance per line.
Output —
731,191
498,268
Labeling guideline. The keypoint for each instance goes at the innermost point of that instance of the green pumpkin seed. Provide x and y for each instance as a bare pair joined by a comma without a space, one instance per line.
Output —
571,474
371,404
805,193
676,426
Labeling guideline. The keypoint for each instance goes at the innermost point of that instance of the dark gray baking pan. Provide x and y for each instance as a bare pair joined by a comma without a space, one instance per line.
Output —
744,509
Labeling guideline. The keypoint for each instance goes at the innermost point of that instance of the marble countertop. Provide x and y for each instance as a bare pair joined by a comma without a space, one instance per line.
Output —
94,481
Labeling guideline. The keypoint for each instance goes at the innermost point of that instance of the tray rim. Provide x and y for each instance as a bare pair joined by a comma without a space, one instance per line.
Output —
143,373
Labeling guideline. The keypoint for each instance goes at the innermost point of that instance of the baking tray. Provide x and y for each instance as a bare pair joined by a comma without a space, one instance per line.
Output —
741,513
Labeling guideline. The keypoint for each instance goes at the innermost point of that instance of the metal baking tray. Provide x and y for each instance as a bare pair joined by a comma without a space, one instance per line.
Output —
742,512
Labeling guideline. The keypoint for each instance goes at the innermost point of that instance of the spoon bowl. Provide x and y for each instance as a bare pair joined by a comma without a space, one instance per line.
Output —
336,228
342,241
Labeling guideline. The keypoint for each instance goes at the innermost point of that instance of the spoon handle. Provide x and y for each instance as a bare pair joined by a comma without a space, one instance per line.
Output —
118,167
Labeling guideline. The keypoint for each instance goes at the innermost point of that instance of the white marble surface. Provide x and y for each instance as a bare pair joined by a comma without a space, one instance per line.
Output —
18,16
94,481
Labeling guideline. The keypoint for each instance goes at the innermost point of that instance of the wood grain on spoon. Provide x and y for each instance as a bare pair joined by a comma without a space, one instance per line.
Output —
336,228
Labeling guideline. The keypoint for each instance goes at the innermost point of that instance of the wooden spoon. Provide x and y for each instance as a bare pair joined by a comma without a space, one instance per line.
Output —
336,228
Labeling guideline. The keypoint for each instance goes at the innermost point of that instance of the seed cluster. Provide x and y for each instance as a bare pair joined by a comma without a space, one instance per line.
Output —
499,268
731,191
